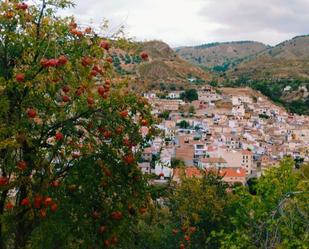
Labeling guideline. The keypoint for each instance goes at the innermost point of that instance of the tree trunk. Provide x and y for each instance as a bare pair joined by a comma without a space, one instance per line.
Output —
23,231
2,202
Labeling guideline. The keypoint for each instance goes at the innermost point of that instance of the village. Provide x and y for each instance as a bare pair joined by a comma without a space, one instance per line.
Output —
234,131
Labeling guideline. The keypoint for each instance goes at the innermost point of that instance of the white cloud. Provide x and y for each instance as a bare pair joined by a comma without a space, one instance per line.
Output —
192,22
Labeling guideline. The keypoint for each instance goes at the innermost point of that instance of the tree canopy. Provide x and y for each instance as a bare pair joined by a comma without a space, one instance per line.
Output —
189,95
70,134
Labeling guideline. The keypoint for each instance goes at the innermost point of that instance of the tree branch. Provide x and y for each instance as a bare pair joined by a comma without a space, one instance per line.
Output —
38,25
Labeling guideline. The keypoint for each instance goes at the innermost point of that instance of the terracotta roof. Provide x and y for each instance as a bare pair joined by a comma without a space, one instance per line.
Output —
189,172
233,172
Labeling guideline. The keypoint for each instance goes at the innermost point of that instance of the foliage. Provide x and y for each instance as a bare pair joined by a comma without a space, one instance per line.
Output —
183,124
213,83
189,95
177,163
277,216
205,212
69,134
165,114
191,109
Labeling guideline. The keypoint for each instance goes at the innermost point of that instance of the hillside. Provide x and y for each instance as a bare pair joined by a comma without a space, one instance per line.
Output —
281,73
289,59
220,56
163,65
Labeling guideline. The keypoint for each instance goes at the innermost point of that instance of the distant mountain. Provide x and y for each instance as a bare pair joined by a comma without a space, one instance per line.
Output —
163,65
287,60
220,56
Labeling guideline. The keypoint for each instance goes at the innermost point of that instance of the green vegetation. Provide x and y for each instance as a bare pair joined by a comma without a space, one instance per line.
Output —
183,124
191,109
207,213
165,114
189,95
67,178
177,163
221,68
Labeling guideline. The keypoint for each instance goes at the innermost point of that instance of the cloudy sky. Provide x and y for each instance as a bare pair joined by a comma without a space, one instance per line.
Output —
193,22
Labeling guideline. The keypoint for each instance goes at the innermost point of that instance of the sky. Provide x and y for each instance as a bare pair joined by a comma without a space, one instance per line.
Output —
195,22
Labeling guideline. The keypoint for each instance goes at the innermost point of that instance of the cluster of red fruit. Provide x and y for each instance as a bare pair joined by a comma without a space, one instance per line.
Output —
74,30
22,6
20,77
128,159
22,165
116,216
186,237
3,181
31,113
55,62
65,98
144,56
96,70
103,90
40,203
144,122
105,45
59,136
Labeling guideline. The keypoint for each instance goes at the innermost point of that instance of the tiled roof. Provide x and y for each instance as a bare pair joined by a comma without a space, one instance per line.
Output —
188,171
232,172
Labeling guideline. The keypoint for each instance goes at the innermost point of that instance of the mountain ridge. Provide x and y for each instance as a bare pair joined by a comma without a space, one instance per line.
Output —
219,57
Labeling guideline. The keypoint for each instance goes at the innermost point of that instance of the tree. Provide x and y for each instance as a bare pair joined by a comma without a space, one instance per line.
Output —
205,212
165,114
177,163
183,124
214,83
69,134
199,208
189,95
191,109
276,215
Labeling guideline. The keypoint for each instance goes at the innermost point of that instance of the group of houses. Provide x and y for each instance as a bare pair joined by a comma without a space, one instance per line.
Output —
235,134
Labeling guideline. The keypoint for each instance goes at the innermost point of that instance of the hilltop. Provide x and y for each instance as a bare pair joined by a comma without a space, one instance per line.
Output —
289,59
220,56
163,65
